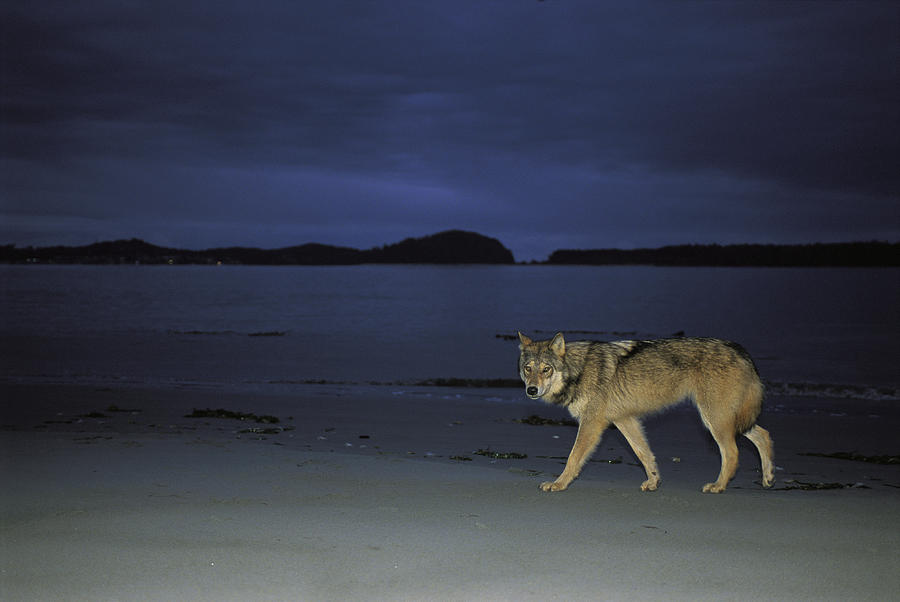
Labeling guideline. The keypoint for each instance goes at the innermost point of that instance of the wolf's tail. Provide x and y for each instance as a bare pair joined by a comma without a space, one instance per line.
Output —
750,406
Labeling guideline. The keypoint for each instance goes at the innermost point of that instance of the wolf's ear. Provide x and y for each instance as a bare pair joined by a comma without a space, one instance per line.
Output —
523,340
558,344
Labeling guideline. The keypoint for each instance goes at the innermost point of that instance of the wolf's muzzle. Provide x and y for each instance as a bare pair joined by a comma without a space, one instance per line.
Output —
531,391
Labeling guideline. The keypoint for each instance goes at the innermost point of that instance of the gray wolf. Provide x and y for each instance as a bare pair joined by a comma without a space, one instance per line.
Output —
621,381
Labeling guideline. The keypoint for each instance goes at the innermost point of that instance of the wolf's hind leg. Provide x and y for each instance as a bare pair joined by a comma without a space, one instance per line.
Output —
728,449
589,433
760,438
634,433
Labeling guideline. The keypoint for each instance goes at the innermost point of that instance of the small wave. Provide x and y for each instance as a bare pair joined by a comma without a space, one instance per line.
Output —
786,389
477,383
449,382
266,333
773,388
606,334
807,389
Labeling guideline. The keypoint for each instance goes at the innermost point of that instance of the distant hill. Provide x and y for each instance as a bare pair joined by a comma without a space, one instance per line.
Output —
452,246
853,254
449,247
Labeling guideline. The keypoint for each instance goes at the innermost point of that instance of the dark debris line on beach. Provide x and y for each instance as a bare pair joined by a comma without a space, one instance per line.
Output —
535,420
499,455
889,460
794,484
220,413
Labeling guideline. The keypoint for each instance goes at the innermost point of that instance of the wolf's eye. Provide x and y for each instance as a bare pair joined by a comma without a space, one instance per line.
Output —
547,369
527,369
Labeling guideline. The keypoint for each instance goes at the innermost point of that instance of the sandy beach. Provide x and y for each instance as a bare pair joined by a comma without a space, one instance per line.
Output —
375,493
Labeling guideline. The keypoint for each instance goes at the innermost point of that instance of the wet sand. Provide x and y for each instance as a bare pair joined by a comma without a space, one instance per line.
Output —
373,493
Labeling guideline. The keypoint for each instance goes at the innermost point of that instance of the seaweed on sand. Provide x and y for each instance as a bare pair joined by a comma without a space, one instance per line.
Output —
499,455
220,413
536,420
804,486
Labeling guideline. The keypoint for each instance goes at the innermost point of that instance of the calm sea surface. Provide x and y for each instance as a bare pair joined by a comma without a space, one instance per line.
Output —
271,326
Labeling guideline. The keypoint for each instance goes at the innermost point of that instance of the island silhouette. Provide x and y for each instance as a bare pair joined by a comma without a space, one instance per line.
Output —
448,247
463,247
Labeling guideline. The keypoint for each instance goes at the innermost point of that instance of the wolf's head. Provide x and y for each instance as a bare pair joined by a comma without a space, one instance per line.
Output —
541,364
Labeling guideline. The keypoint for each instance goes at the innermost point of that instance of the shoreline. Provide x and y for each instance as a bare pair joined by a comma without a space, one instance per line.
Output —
145,503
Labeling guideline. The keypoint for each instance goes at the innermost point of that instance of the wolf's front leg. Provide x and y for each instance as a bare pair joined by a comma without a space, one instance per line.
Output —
633,432
589,433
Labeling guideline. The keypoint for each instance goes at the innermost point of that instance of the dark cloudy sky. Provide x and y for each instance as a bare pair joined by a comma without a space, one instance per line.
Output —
555,124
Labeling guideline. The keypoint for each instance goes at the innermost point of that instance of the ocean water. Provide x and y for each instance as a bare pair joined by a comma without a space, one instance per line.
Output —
811,330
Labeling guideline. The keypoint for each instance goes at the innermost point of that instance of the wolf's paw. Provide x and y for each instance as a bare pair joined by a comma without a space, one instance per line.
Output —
553,486
650,485
768,481
713,488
